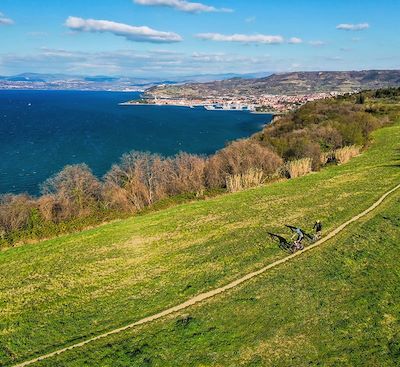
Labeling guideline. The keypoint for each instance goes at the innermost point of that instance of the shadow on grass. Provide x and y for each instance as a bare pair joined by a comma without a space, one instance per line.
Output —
284,244
391,165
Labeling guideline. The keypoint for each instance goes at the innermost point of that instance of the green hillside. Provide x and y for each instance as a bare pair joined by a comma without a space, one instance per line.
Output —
336,306
61,291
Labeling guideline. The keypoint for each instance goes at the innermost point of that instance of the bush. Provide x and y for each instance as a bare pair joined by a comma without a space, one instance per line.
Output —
328,137
141,179
237,159
72,192
49,208
15,212
138,181
321,126
187,174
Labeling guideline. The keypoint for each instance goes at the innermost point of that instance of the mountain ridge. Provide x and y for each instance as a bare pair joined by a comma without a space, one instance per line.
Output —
303,82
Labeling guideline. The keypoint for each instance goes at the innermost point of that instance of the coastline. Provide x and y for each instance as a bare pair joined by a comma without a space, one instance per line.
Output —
155,104
134,103
110,129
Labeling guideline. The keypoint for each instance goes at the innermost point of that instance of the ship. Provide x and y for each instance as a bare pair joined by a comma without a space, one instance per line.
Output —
229,107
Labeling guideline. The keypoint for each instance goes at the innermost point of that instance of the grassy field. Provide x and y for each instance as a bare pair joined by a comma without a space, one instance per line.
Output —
58,292
336,306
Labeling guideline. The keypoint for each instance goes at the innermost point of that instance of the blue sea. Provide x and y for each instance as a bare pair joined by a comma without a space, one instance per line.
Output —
42,131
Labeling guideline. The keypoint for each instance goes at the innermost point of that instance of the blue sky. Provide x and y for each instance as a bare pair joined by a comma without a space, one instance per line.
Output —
158,38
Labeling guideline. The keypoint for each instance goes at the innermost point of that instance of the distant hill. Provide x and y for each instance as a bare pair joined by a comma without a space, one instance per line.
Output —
105,82
213,84
286,83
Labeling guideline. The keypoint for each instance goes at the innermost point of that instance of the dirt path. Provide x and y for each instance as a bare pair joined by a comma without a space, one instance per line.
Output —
203,296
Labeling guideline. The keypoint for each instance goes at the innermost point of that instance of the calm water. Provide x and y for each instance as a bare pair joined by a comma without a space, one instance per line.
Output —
42,131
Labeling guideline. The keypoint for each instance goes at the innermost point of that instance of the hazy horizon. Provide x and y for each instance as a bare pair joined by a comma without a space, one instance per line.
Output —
175,38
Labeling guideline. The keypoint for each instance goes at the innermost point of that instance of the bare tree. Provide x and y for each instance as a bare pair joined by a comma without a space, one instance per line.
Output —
188,174
15,212
238,158
50,208
75,189
138,181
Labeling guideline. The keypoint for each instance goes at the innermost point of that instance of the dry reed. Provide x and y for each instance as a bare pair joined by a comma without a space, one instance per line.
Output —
298,167
251,178
326,157
343,155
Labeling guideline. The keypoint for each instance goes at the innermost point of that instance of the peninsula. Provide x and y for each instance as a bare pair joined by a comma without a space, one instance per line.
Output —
277,93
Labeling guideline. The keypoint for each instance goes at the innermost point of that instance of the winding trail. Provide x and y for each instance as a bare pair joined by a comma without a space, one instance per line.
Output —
203,296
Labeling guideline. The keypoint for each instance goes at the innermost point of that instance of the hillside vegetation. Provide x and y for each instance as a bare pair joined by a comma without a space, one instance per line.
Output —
285,83
60,291
318,133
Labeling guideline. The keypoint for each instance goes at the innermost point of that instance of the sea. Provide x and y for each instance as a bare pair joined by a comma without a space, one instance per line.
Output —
42,131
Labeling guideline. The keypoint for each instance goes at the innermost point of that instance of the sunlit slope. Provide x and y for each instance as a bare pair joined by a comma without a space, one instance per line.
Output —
58,292
338,305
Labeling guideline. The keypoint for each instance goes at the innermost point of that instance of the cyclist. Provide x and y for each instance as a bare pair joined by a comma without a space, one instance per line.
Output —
318,228
300,236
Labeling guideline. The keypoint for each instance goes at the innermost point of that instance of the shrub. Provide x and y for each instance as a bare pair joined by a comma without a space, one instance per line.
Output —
237,159
15,212
141,179
343,155
136,182
49,208
75,191
299,167
187,174
321,126
360,99
251,178
327,136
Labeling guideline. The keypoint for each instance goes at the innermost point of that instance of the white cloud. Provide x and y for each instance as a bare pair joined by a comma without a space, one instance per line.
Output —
332,58
131,33
250,19
183,5
160,63
243,38
352,27
4,20
295,40
135,62
37,34
317,43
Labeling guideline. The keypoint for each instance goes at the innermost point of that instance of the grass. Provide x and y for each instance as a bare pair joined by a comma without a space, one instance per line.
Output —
60,291
336,306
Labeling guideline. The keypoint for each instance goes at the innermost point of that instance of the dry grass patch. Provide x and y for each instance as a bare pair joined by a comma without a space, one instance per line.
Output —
343,155
206,219
298,168
268,351
242,181
326,157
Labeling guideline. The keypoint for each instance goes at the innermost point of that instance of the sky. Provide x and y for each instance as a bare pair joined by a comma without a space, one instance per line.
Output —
160,38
